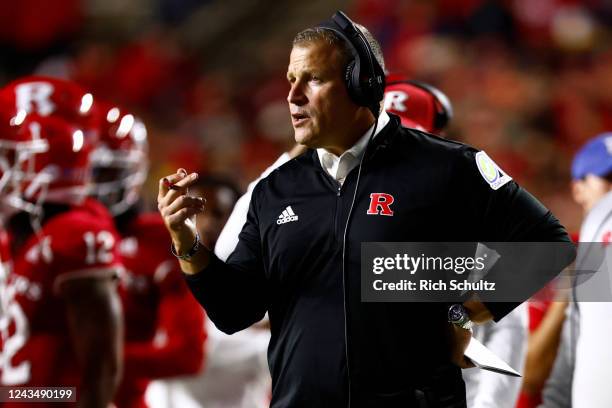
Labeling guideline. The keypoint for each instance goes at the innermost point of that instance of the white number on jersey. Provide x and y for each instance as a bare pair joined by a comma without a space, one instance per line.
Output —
99,247
42,249
12,313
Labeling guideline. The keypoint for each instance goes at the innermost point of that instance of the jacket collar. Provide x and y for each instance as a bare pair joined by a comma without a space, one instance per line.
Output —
382,140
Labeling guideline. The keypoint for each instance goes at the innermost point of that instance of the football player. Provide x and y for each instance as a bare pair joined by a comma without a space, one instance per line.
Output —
164,325
62,324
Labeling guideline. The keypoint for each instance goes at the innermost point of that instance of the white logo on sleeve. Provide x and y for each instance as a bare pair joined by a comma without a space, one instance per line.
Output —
490,171
287,216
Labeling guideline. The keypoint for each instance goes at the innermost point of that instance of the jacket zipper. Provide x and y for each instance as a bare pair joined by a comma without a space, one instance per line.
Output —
336,217
346,349
344,303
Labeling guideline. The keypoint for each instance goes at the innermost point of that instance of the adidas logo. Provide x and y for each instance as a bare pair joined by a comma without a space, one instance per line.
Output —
287,216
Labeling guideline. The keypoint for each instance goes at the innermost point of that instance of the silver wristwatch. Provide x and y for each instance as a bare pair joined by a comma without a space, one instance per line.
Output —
458,315
192,251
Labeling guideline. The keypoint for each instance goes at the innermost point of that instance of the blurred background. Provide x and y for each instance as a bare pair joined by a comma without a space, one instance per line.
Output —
530,80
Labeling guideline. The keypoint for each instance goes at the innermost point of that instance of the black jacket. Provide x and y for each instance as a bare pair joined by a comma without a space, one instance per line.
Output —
327,346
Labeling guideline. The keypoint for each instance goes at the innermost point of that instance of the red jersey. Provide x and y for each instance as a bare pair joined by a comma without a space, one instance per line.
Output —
164,324
5,259
36,346
5,270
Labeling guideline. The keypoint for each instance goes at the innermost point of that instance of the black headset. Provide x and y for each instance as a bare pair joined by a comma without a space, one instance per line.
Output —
443,106
363,75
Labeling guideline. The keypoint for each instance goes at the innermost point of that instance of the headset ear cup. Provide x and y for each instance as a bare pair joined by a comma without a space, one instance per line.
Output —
376,89
348,74
350,83
357,86
443,115
363,74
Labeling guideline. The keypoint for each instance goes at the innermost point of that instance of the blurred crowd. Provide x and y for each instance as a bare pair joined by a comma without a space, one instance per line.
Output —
529,80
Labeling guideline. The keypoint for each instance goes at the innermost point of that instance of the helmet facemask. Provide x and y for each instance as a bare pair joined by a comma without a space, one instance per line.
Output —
120,163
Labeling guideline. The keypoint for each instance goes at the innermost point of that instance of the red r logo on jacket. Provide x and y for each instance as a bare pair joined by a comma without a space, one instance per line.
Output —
380,204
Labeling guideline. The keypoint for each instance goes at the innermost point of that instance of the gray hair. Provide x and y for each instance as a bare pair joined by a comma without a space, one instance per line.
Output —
315,34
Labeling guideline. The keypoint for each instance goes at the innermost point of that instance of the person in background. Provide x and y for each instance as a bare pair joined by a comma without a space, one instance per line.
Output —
62,320
581,373
164,330
418,104
221,197
546,319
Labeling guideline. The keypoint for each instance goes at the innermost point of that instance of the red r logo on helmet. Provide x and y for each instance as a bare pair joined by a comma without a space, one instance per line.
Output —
380,204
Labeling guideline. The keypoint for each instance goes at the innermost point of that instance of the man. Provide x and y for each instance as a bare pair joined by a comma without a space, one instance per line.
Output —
582,371
164,327
299,253
234,377
63,317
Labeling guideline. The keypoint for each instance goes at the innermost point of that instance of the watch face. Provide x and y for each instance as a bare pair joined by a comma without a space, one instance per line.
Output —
455,313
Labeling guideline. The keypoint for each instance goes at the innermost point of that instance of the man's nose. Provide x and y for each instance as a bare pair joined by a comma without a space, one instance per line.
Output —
296,94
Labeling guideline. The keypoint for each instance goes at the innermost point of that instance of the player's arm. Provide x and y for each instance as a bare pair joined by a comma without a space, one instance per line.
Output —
181,351
542,348
94,319
557,391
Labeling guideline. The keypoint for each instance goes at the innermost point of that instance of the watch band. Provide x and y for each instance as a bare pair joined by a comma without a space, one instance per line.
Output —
192,251
467,324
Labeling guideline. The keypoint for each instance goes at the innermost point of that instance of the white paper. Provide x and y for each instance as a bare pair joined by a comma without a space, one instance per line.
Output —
484,358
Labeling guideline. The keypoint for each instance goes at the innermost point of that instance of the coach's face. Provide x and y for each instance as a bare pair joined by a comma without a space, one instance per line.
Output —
321,109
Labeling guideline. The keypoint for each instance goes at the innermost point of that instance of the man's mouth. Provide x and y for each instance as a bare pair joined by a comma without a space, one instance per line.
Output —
299,119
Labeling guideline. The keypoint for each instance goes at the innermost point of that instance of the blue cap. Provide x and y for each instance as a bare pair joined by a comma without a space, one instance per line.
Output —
595,158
